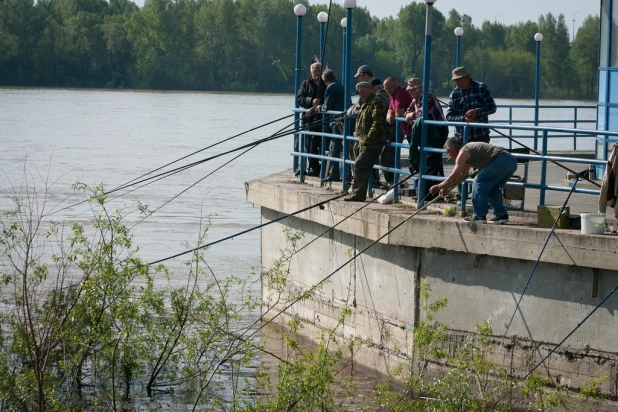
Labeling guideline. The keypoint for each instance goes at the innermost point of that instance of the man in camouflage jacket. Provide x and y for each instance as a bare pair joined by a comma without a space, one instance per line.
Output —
370,125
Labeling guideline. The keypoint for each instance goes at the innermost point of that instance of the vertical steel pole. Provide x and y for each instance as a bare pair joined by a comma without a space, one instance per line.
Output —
458,56
538,37
322,39
348,92
299,27
323,170
346,121
422,162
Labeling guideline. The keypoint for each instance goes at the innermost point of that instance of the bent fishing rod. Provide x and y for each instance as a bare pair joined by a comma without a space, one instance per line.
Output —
160,176
356,255
582,174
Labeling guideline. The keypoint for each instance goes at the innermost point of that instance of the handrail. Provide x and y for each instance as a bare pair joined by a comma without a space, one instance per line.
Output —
546,132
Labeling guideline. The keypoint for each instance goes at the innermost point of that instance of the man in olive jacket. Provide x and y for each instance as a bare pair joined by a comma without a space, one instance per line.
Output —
370,125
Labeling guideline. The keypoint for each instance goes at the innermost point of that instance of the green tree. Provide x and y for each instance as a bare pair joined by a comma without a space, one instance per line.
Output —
585,55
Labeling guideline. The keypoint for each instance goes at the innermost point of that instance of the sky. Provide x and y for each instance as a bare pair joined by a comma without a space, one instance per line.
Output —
504,11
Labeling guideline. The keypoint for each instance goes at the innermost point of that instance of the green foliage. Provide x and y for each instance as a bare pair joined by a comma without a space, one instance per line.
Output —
81,310
233,45
450,211
469,382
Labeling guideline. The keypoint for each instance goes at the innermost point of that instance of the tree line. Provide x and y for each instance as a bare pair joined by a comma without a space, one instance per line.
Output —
249,45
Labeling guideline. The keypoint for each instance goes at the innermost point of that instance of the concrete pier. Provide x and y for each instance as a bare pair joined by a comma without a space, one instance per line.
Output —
480,269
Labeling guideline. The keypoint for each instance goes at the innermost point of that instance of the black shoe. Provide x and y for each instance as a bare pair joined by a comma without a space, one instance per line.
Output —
331,179
297,173
353,199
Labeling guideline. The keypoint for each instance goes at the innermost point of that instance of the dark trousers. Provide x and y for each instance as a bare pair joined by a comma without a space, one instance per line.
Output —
312,144
363,170
387,159
434,168
335,147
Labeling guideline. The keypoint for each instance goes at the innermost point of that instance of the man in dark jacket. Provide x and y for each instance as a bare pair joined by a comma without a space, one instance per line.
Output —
370,125
311,94
334,99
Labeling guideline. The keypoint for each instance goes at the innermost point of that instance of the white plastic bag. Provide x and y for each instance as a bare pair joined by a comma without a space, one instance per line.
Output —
387,198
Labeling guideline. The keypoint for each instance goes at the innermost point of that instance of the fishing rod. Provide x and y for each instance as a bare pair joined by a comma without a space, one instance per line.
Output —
306,126
344,219
319,204
175,161
551,352
209,174
356,255
553,228
579,174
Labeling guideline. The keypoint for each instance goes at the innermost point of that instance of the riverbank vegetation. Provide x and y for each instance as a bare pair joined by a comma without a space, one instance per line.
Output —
249,45
87,325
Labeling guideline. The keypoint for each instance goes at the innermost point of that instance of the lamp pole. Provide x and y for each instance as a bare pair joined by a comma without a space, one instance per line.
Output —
299,10
422,155
538,38
459,31
348,5
322,18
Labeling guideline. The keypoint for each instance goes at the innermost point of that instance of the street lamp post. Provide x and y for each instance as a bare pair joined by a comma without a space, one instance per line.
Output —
322,18
459,31
299,10
422,155
539,38
347,75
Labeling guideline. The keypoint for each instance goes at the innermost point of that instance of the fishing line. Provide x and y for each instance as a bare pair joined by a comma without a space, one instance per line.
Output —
538,259
209,174
358,59
205,148
284,75
343,220
551,352
246,231
123,186
580,174
330,4
356,255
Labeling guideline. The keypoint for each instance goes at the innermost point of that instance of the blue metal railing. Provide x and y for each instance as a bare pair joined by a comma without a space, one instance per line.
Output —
575,122
510,128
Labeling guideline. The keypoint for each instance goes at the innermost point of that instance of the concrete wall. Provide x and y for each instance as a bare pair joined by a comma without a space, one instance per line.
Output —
480,269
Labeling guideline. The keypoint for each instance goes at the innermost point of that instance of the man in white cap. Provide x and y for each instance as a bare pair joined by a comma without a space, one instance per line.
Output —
470,101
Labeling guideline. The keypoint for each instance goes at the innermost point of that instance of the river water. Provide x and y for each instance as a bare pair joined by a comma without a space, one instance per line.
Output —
63,136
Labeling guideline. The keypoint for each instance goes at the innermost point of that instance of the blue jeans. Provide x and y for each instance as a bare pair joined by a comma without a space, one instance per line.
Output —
488,185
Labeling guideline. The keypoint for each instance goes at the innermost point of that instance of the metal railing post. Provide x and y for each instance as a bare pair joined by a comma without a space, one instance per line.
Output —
422,161
575,127
543,170
397,163
347,28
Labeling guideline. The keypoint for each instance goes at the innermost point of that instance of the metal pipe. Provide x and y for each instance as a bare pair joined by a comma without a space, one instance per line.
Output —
422,163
